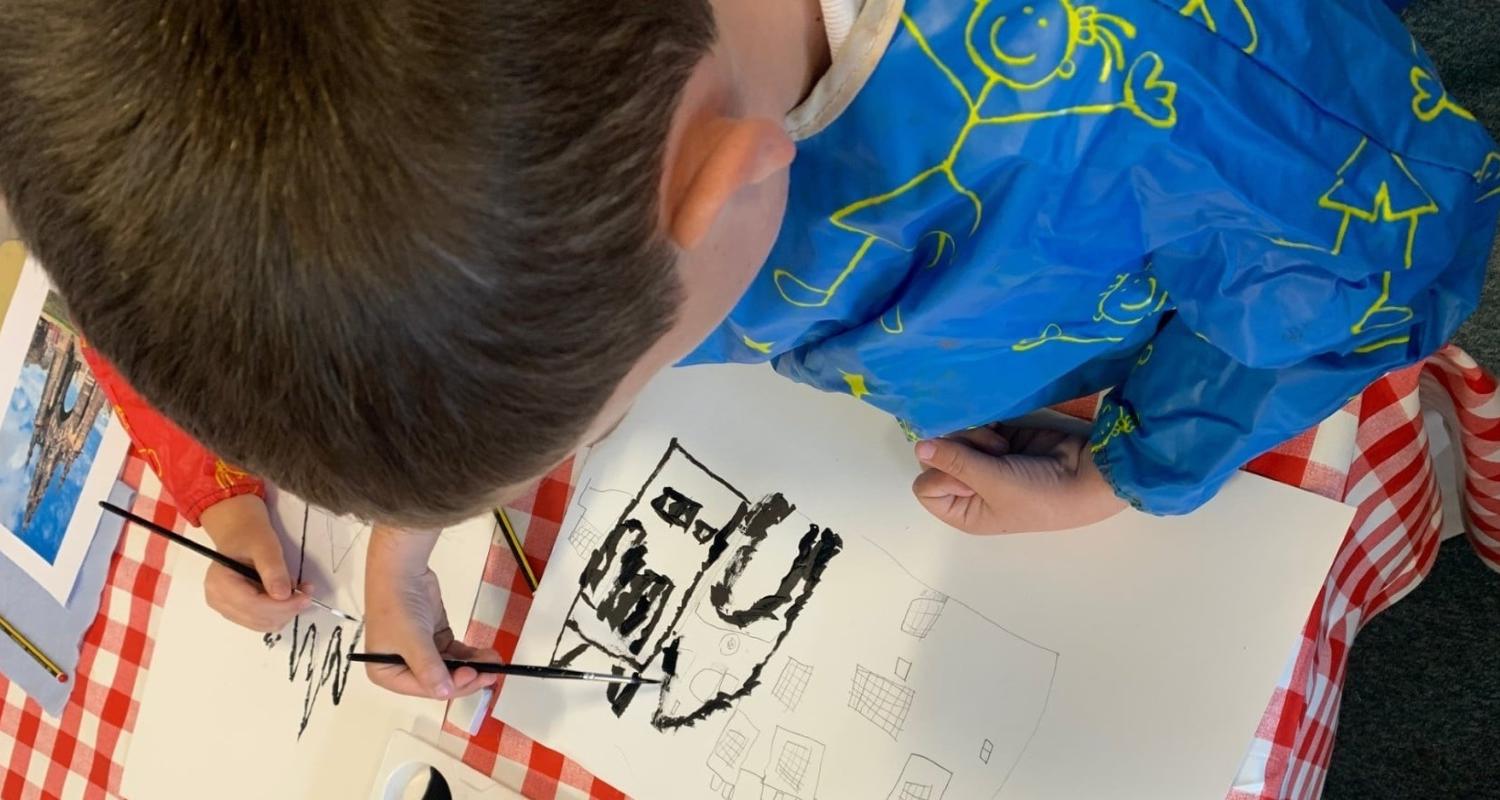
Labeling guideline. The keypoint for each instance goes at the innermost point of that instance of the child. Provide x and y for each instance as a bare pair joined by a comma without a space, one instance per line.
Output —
400,256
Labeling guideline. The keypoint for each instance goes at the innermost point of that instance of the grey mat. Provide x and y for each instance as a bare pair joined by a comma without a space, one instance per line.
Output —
1421,715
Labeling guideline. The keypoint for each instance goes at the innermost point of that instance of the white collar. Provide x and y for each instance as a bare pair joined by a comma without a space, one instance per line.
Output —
838,21
855,57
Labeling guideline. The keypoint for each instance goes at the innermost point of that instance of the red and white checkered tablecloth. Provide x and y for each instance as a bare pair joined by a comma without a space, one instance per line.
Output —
1373,454
82,753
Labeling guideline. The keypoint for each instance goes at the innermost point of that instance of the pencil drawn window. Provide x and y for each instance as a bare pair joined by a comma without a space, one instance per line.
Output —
915,791
880,700
731,745
585,538
923,613
792,683
792,764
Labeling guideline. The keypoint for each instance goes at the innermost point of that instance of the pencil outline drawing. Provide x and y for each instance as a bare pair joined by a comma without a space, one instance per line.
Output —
792,767
731,750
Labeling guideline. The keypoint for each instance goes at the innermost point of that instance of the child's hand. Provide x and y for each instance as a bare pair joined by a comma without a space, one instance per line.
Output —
404,614
1013,480
241,529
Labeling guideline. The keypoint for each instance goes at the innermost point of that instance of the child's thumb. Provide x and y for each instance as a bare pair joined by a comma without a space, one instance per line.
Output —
427,666
271,566
951,457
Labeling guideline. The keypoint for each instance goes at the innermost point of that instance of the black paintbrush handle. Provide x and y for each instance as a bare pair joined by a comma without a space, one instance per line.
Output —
245,570
521,670
207,552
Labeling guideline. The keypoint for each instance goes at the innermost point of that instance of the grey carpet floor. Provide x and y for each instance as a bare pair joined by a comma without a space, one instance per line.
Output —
1421,714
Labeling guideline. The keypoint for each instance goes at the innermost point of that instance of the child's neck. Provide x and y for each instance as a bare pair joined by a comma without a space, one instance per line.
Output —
777,51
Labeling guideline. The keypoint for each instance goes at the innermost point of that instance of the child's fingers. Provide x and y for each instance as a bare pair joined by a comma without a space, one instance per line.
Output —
402,680
979,493
481,679
395,678
948,499
468,681
464,652
934,483
426,666
243,603
986,440
462,677
465,679
1037,441
473,683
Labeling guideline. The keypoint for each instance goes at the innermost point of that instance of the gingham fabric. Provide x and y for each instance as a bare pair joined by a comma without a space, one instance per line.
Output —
82,753
1373,454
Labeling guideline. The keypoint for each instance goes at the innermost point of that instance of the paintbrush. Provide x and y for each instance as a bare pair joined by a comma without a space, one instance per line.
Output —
520,670
245,570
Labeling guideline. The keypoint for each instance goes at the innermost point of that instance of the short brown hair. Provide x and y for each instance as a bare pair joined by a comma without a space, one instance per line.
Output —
391,254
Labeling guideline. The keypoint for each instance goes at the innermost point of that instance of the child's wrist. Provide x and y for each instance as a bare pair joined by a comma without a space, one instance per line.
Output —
233,518
398,554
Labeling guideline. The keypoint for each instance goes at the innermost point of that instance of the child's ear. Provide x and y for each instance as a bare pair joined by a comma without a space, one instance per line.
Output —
725,156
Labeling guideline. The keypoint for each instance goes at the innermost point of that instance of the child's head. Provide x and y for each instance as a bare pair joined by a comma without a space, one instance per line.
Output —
394,254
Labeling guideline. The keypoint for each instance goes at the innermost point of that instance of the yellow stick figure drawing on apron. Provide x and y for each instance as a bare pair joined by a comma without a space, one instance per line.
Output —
1017,50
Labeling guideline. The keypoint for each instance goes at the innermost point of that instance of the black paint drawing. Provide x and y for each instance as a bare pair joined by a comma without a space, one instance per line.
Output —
690,579
792,683
921,779
331,670
880,700
698,581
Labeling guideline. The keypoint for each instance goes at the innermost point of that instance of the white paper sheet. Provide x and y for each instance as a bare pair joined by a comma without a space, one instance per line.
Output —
230,714
60,448
1131,659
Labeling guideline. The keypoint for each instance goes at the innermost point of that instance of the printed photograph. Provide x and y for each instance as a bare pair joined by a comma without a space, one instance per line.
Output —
54,423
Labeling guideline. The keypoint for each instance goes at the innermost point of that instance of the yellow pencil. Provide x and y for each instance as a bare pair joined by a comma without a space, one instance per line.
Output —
516,550
32,650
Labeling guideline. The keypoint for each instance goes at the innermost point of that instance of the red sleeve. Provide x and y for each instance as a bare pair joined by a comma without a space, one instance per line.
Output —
194,477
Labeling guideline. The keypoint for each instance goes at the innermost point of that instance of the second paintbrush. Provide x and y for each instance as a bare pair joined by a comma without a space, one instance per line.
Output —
521,670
